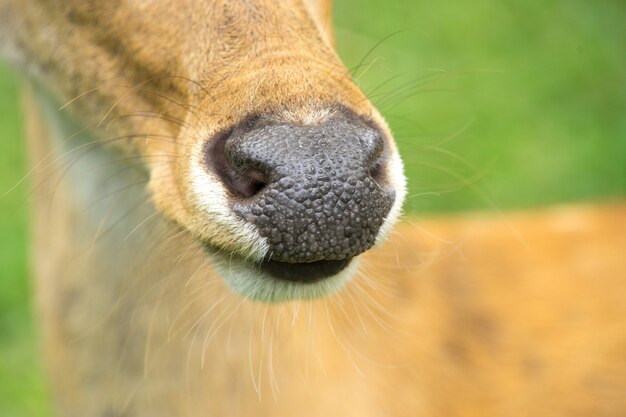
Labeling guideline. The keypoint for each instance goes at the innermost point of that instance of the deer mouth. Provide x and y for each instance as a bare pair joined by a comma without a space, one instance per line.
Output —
304,272
270,280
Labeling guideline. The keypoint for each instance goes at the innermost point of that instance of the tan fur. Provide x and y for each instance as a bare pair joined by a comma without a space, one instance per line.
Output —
468,316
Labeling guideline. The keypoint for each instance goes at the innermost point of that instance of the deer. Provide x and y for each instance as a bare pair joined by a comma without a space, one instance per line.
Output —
215,233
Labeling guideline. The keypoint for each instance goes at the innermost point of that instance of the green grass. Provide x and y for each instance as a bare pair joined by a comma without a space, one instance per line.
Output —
535,87
495,104
22,389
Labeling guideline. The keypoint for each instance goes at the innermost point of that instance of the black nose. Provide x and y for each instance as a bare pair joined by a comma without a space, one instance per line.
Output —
314,192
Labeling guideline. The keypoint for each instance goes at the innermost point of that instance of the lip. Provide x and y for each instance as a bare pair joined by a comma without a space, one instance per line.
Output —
273,281
305,273
298,273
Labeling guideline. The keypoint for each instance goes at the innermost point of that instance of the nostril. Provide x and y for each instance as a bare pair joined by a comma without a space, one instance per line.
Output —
257,181
378,160
245,183
376,170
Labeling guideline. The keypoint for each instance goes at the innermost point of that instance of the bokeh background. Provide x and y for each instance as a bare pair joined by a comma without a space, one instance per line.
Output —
495,104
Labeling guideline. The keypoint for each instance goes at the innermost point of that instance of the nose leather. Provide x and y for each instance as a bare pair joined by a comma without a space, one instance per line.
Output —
320,201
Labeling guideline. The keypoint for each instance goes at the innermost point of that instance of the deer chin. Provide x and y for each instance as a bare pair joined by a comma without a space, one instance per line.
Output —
274,282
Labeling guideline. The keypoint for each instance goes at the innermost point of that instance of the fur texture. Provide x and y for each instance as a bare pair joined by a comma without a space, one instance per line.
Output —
466,316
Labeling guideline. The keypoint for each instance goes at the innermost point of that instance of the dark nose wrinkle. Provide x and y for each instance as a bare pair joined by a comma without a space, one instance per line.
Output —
320,201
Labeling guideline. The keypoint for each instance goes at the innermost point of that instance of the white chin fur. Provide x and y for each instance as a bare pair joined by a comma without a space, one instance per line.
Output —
246,279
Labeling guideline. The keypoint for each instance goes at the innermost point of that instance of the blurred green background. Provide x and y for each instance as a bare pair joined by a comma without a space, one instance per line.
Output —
495,104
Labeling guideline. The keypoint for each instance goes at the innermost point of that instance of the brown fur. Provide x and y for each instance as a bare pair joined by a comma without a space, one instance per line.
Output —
469,316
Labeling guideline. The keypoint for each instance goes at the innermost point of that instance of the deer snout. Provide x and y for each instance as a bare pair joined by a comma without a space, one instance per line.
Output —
318,194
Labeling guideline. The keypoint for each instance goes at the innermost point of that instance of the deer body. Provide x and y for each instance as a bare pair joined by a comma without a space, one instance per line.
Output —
469,317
